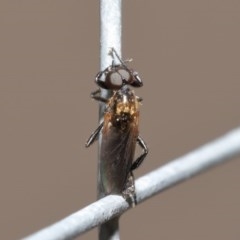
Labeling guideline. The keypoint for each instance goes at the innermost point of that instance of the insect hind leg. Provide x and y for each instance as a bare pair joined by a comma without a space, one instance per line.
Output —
129,193
140,159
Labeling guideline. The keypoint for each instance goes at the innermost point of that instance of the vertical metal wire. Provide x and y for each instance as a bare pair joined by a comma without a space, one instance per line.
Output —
110,34
111,27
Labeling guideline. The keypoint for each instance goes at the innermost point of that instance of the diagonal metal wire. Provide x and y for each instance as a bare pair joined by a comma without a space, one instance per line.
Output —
218,151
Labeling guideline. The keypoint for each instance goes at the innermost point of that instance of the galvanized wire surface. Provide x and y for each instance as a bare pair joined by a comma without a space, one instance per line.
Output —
218,151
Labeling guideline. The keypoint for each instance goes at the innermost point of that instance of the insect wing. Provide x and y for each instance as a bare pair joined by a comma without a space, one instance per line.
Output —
117,153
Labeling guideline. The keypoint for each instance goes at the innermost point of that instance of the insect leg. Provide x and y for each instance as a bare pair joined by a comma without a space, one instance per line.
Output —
94,135
140,159
139,99
96,95
129,190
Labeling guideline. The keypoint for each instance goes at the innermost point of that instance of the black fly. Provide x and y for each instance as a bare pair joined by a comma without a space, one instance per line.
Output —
119,130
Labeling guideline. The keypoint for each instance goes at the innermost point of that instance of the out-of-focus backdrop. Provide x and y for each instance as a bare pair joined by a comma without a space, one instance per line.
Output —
188,55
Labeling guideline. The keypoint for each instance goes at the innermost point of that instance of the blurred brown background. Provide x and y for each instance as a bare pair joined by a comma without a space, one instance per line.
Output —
188,55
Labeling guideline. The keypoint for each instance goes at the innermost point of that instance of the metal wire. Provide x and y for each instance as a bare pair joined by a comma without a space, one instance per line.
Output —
220,150
111,34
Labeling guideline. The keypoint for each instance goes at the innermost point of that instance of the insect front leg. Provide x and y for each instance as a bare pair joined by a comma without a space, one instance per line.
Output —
94,135
139,99
97,96
140,159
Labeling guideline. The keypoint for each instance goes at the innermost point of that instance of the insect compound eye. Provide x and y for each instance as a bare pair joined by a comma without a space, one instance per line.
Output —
136,82
115,77
125,75
109,79
114,81
130,77
100,79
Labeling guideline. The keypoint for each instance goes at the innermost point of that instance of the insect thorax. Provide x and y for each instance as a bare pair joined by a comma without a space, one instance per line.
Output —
123,107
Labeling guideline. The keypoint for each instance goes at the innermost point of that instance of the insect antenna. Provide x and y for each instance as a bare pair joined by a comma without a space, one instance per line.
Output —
118,57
